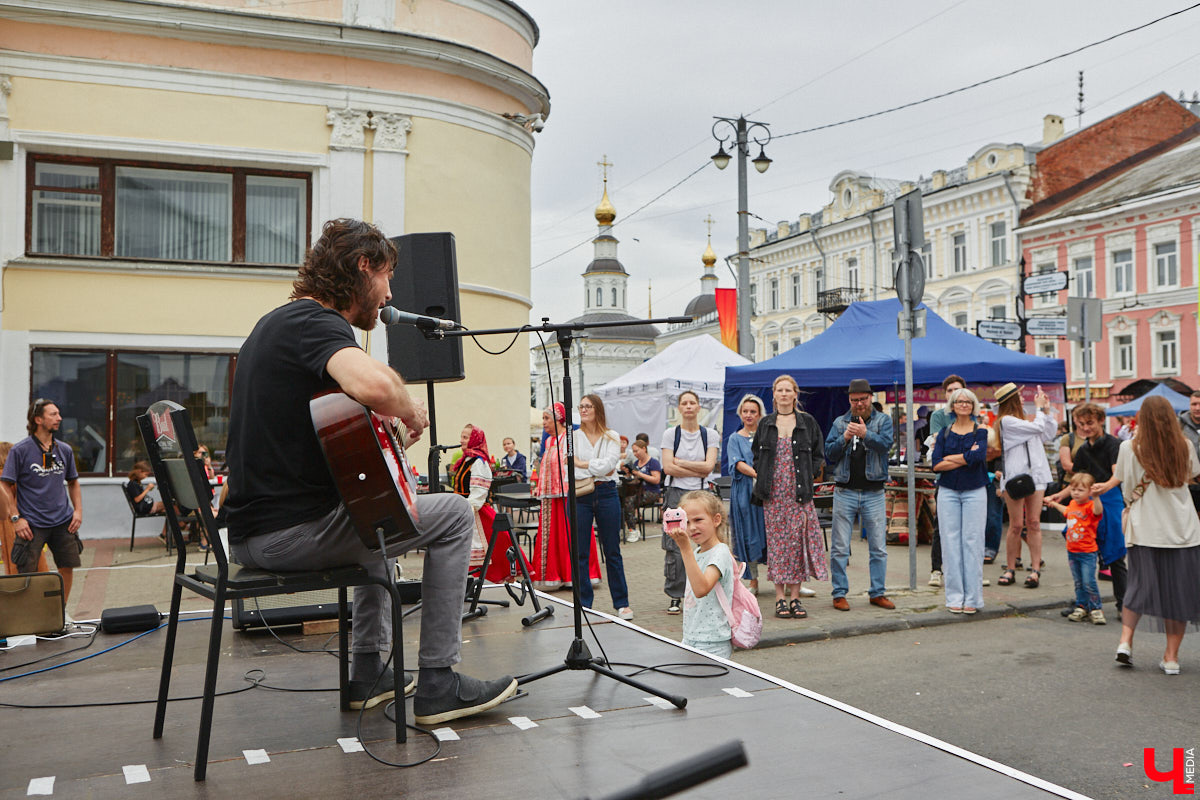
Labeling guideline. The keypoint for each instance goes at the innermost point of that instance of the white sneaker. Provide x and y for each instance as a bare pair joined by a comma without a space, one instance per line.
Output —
625,613
935,578
1078,615
633,535
1124,655
807,592
1098,617
987,582
1169,667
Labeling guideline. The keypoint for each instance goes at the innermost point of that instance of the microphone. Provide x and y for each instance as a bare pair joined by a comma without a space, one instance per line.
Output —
390,315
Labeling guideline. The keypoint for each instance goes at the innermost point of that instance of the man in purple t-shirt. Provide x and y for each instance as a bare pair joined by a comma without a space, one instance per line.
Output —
38,476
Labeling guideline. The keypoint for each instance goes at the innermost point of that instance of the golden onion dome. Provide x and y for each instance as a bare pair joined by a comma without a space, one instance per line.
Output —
605,213
709,258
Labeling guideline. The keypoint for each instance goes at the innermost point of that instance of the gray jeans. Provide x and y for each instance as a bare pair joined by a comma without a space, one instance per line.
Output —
444,531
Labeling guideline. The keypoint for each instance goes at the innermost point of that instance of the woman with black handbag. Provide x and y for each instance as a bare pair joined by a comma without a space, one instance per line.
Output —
1026,474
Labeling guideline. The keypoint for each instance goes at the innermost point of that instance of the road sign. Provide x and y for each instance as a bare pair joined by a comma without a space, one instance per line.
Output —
1046,326
908,226
998,329
1044,282
1084,318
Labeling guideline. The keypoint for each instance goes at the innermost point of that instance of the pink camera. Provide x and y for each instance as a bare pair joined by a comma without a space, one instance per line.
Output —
673,519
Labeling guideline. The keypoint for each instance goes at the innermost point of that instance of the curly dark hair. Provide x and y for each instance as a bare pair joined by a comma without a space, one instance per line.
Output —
330,272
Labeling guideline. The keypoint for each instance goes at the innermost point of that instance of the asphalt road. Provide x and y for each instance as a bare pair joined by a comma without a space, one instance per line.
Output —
1038,693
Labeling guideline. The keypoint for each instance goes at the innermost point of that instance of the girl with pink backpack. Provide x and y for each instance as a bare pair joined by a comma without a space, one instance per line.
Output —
711,622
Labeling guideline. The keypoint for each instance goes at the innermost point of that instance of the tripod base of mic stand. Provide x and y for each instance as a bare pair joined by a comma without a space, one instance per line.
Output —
580,657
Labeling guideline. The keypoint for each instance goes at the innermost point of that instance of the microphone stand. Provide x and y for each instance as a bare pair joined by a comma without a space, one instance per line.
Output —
578,657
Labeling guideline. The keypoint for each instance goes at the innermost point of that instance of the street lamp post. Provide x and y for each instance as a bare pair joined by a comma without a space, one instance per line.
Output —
742,130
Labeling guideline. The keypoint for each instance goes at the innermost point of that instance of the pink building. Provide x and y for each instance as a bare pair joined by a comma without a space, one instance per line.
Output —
1129,236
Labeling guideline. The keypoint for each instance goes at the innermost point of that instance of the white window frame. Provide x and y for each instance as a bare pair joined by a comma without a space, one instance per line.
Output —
1047,349
1119,350
1128,268
1077,360
797,299
999,243
852,273
1169,261
774,294
1045,299
927,257
1081,287
1166,351
958,246
961,320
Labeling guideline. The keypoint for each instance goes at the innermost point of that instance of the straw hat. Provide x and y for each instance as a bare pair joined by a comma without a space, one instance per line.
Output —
1006,391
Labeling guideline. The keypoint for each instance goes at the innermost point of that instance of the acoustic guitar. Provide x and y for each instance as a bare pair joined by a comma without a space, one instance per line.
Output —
369,468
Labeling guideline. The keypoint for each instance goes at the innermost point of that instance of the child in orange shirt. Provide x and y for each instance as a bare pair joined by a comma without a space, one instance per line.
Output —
1083,519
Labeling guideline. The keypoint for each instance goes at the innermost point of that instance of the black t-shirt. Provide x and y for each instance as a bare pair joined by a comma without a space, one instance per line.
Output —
132,490
277,473
1097,458
858,470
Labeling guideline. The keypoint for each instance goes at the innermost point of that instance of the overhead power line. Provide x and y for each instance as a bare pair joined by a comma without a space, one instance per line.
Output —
993,79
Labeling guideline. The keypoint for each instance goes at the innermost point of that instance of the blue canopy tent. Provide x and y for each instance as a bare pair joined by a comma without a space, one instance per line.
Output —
863,343
1178,401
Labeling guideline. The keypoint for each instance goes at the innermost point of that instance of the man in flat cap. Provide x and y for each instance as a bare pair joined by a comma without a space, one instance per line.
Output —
857,450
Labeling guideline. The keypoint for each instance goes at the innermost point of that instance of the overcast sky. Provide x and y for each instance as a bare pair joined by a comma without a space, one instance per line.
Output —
641,80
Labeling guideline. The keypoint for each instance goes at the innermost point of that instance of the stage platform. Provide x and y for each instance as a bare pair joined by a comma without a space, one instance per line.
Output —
581,734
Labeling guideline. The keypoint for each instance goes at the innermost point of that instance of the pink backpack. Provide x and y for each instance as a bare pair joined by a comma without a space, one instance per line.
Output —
745,617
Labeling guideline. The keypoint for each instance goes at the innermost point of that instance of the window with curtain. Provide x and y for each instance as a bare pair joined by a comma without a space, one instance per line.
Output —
100,394
149,211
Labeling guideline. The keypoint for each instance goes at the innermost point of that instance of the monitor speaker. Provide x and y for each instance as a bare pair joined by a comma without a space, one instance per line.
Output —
425,282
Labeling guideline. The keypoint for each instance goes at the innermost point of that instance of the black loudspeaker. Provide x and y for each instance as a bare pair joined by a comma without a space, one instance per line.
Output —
426,283
130,619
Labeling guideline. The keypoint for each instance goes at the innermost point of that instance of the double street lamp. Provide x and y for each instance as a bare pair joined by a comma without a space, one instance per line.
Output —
742,131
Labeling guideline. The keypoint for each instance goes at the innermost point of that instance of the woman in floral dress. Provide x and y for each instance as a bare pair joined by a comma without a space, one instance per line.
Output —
788,450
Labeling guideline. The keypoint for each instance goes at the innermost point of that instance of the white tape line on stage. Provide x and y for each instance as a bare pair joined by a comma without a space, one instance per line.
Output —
734,691
583,712
256,756
866,716
350,745
39,786
445,734
136,773
658,701
523,723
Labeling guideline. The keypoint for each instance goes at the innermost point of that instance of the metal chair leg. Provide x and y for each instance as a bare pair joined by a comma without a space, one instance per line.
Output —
164,680
210,682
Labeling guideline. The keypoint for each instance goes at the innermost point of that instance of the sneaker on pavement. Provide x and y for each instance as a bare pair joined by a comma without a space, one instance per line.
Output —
625,613
368,694
1169,667
935,578
1078,615
467,696
1098,617
987,582
676,606
807,592
1124,655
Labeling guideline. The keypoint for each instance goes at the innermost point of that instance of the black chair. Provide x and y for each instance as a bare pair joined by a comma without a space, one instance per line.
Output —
723,485
136,516
170,441
518,497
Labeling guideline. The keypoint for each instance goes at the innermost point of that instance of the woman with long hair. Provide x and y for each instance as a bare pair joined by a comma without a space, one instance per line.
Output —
960,459
1023,442
551,567
597,451
1162,531
788,450
749,531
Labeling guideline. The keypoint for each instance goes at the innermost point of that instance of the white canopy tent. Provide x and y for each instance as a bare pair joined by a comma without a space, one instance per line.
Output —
641,399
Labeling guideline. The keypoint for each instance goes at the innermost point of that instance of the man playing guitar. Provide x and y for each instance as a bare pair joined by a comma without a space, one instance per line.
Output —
284,508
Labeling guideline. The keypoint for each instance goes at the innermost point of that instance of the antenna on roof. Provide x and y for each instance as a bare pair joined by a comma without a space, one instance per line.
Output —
1079,108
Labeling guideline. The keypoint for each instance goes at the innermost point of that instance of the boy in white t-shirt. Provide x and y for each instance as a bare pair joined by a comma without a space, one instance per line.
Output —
689,456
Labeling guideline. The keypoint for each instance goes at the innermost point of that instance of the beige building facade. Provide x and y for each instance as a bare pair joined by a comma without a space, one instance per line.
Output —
170,162
805,271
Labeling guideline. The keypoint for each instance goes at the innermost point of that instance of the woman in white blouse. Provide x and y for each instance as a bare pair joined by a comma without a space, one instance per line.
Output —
1024,441
597,451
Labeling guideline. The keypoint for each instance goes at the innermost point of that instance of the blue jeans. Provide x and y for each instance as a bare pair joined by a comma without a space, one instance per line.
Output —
994,529
850,505
602,507
1083,572
962,517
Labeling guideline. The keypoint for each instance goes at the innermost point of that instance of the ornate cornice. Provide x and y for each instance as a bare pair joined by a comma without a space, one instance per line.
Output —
349,128
391,132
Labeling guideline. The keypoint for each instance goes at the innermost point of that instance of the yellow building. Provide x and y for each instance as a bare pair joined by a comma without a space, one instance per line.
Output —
163,166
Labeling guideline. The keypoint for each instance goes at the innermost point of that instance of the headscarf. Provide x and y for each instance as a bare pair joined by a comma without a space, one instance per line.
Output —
560,413
476,447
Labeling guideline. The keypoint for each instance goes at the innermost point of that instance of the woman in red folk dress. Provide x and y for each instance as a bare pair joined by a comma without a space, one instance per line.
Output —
471,476
551,567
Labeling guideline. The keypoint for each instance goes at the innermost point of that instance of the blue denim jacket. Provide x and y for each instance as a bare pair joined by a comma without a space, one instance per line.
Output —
878,441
